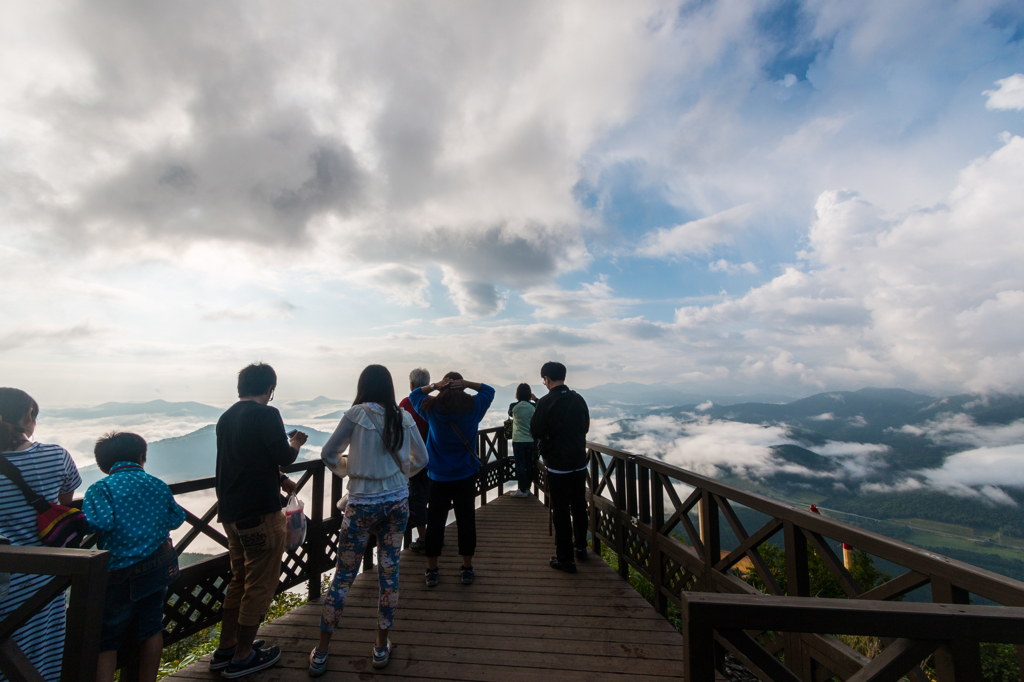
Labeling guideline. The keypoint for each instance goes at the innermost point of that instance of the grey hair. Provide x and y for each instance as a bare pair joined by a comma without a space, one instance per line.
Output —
419,377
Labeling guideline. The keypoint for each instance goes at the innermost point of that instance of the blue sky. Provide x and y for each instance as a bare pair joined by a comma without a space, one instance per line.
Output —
735,196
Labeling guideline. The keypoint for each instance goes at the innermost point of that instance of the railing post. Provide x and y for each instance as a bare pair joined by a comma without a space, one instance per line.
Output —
797,585
698,642
315,540
84,620
500,441
620,508
594,477
657,562
481,443
960,659
336,490
710,537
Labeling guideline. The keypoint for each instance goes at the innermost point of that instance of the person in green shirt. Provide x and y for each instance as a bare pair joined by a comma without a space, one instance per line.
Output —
523,448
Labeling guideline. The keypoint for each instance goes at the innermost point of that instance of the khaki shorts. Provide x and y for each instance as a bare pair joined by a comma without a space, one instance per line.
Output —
255,552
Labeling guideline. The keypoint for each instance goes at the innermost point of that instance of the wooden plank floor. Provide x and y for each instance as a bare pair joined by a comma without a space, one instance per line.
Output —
520,620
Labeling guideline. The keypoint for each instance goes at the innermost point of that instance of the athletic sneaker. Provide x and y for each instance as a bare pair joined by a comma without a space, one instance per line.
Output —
221,657
317,663
432,578
418,546
382,655
467,575
567,566
520,493
581,554
259,659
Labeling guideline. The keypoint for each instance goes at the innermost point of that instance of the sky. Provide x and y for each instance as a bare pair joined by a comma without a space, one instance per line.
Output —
732,196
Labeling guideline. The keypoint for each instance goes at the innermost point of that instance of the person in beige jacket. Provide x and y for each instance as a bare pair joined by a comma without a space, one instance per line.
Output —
384,450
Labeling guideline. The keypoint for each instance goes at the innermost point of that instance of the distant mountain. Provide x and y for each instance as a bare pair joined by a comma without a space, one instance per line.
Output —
161,407
315,402
633,394
193,455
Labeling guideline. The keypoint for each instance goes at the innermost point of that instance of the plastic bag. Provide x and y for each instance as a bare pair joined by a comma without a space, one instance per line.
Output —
295,523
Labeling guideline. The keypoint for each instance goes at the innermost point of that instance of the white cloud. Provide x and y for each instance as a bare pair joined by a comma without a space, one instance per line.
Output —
929,298
980,472
1009,94
696,236
708,446
722,265
590,300
961,430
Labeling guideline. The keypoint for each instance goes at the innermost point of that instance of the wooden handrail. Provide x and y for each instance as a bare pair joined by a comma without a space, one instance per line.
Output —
85,571
635,510
711,620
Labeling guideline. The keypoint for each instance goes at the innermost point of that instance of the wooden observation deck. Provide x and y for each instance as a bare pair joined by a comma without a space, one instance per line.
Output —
520,620
684,534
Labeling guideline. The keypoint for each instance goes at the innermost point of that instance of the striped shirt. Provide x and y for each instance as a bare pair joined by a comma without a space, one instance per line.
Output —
49,471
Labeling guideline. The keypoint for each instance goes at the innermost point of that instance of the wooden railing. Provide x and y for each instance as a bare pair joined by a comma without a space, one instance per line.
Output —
85,572
916,631
641,508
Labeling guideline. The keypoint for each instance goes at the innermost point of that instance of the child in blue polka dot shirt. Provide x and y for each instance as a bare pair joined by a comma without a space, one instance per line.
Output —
134,514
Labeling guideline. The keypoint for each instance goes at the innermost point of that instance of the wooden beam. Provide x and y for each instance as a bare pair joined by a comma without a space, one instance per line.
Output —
909,581
997,624
896,660
767,666
834,565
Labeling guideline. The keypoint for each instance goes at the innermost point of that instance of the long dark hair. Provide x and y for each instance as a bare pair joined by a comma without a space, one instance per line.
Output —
376,386
449,400
14,405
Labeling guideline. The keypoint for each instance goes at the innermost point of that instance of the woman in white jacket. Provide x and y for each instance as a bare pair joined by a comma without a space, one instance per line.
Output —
384,450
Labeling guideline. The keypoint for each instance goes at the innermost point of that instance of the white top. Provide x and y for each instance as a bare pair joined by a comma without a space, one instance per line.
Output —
368,465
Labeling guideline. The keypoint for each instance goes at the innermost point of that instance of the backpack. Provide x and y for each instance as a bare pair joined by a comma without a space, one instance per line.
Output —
508,422
59,526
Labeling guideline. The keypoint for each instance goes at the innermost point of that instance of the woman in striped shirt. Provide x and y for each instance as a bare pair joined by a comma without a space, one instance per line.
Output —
50,472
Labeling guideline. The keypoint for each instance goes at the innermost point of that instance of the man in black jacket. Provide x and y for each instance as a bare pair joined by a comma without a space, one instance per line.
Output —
560,426
251,449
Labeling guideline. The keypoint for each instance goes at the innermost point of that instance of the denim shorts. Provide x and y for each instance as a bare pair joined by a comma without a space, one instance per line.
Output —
119,609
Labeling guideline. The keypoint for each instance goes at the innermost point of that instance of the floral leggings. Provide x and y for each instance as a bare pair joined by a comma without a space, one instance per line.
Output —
389,519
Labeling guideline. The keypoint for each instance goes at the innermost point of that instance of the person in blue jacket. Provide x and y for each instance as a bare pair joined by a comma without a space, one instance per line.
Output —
453,416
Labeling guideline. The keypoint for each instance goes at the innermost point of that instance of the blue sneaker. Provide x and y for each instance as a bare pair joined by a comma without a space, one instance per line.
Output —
317,663
382,655
259,659
221,657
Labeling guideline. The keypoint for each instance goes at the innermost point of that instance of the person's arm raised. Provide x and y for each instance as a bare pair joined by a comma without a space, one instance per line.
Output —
337,444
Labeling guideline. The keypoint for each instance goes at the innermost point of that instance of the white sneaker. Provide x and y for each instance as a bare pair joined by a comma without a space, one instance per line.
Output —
520,493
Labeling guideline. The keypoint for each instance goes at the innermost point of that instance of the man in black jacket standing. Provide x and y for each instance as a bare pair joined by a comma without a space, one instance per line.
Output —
560,426
251,449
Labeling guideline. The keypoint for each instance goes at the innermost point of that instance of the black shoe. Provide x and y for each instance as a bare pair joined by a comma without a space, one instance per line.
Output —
567,566
221,657
467,575
432,578
261,659
581,554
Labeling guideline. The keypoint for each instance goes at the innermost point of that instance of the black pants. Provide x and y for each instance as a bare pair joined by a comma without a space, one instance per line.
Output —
443,496
419,490
569,512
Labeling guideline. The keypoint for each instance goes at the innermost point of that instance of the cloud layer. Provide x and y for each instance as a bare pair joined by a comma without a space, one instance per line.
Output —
780,196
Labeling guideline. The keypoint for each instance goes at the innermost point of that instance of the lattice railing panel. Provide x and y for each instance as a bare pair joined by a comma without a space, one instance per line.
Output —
607,527
196,605
637,549
674,576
